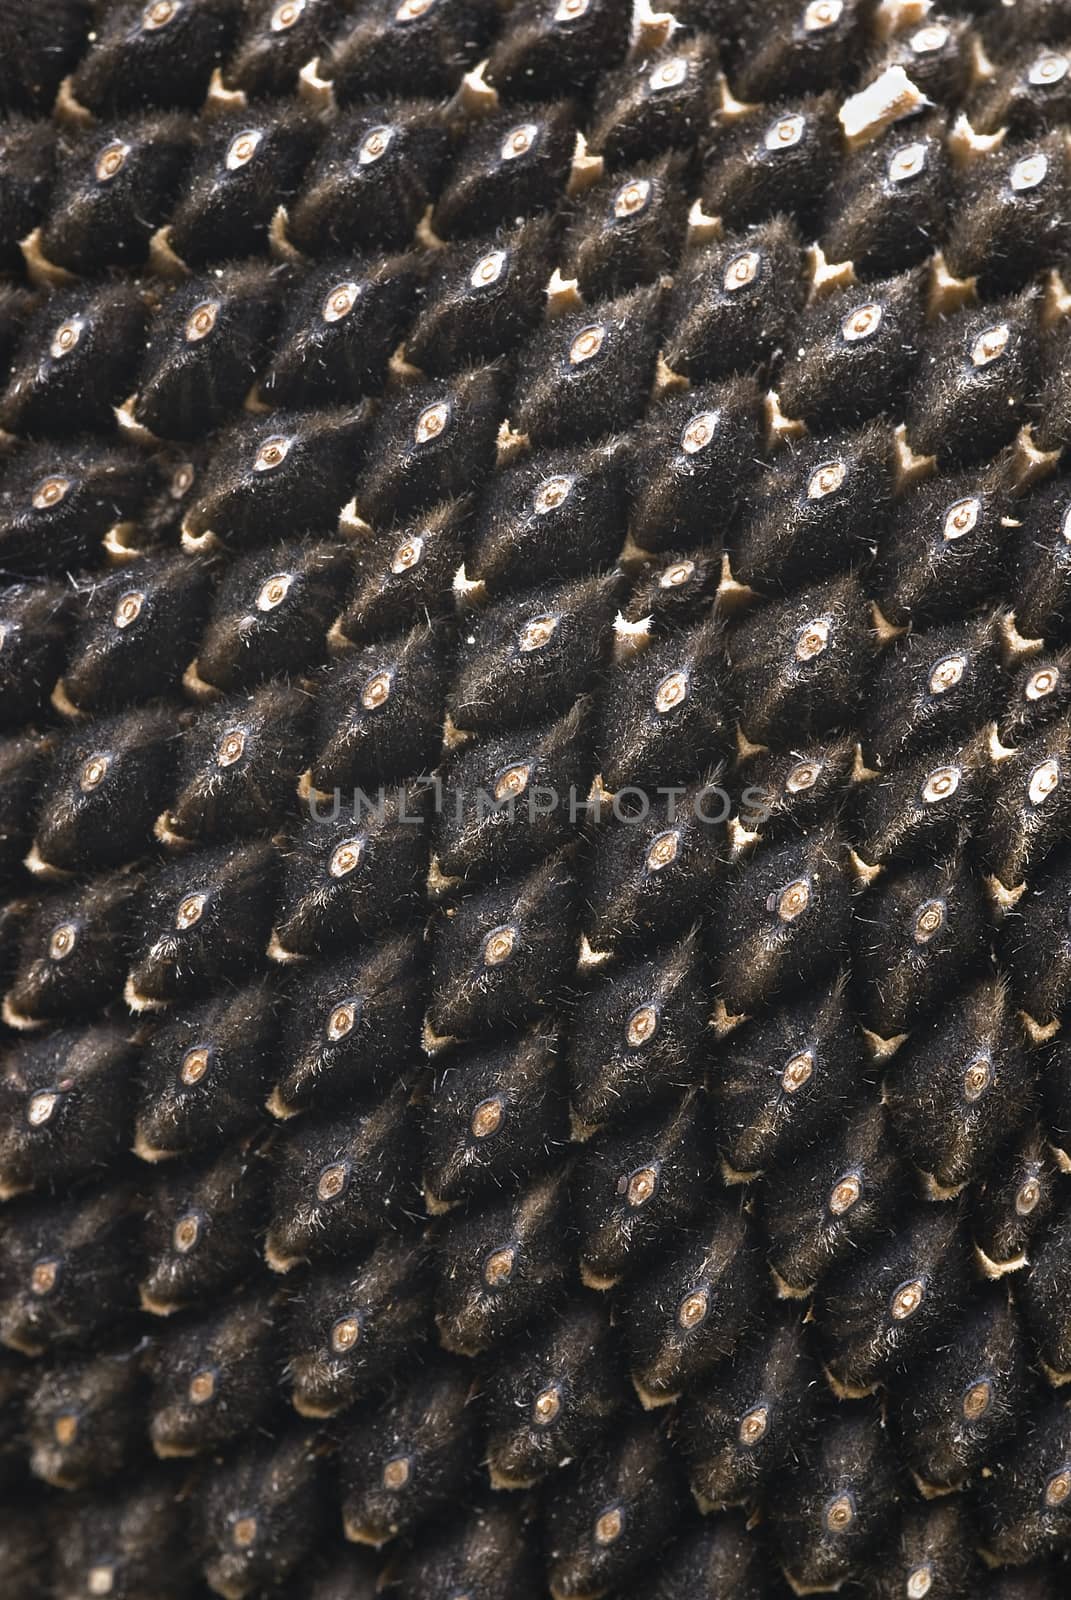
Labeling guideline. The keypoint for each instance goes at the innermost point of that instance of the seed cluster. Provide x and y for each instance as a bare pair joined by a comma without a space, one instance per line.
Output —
592,410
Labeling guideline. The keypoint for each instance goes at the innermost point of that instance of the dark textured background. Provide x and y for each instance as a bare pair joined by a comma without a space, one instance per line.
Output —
688,426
